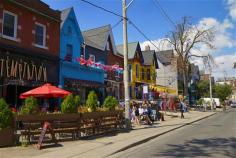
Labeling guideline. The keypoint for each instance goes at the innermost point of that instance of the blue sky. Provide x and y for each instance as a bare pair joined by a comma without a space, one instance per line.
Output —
144,13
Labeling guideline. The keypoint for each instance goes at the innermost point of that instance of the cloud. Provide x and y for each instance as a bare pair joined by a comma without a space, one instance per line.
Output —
159,43
232,8
224,66
223,37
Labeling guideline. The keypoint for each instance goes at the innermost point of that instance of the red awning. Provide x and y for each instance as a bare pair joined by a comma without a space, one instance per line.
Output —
46,91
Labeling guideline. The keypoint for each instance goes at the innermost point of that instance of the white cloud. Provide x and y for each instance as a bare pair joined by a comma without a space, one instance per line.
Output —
161,44
232,8
222,32
224,66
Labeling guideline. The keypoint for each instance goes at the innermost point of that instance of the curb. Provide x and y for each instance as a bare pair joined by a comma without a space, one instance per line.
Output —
157,135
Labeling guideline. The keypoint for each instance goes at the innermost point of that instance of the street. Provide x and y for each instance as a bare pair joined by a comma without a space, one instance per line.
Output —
212,137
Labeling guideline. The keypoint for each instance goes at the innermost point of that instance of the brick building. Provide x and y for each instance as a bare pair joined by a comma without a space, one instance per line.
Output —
29,46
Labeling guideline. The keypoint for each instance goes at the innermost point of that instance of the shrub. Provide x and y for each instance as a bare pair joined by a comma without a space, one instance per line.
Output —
77,100
30,107
110,103
68,105
92,101
6,116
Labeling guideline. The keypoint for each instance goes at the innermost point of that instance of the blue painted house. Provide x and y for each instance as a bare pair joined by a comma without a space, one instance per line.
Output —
73,76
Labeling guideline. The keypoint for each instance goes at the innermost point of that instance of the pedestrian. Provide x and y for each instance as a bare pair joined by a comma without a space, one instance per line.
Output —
137,120
182,107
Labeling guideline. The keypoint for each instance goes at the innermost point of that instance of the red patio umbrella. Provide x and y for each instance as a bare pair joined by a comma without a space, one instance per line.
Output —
46,91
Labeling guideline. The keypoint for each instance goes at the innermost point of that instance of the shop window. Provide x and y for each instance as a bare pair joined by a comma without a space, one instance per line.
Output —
40,35
9,25
148,74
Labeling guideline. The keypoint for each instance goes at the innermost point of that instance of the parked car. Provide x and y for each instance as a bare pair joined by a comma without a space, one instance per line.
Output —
233,105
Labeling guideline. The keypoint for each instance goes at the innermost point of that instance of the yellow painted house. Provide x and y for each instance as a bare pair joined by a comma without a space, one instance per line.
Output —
141,66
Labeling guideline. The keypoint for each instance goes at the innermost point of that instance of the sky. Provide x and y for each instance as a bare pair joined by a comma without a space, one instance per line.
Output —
148,17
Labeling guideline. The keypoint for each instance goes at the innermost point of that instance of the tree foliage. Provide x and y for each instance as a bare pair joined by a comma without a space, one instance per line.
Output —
69,105
223,91
30,106
6,116
110,103
183,40
203,89
92,101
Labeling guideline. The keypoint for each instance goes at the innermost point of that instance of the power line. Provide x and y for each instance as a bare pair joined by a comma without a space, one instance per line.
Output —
163,12
136,27
130,22
104,9
115,25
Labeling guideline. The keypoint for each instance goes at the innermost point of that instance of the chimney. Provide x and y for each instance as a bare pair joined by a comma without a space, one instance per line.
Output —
147,47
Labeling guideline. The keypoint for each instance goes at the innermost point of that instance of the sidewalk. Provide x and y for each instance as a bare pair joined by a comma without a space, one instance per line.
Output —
108,144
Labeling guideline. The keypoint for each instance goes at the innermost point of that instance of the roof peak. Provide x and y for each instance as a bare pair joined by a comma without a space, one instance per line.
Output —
108,25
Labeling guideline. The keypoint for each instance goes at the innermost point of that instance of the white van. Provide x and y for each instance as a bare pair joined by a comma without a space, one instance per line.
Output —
217,100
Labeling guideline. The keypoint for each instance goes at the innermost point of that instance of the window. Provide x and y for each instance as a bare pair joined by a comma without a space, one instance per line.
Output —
69,31
40,35
130,73
148,74
130,91
69,52
143,73
9,25
69,49
137,71
92,57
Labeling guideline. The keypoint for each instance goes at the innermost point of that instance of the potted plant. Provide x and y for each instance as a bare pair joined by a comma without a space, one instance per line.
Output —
92,101
110,103
6,124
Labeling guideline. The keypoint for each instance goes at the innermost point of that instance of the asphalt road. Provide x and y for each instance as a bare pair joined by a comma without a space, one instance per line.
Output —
211,137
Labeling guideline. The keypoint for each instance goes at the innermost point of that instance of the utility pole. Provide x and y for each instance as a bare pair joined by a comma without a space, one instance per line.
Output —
125,49
210,82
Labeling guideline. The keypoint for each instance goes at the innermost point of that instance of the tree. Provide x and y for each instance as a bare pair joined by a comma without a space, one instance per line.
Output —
110,103
30,106
203,89
6,116
183,39
69,105
235,65
223,91
92,101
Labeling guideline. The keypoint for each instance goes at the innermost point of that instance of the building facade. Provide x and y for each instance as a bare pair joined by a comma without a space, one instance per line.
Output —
167,74
29,46
77,78
100,46
141,67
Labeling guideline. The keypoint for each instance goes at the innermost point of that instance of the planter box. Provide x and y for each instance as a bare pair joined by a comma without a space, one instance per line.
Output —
6,137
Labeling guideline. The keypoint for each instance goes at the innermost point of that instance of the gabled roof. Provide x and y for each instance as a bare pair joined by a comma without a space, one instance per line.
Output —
98,37
148,57
165,56
64,14
132,47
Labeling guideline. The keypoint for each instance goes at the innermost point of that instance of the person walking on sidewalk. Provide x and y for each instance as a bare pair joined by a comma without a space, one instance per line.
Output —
182,107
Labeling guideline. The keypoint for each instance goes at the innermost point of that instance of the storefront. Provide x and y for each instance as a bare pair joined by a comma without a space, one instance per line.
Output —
21,70
81,79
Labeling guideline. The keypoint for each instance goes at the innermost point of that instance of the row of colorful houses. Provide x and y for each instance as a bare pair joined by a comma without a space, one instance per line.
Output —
39,44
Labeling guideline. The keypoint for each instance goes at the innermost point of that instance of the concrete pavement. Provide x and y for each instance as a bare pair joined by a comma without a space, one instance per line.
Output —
109,143
213,137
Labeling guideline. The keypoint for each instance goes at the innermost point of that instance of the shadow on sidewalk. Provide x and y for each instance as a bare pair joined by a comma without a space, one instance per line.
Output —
201,148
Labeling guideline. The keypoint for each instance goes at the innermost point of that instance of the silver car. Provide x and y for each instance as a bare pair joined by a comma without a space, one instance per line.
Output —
233,105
